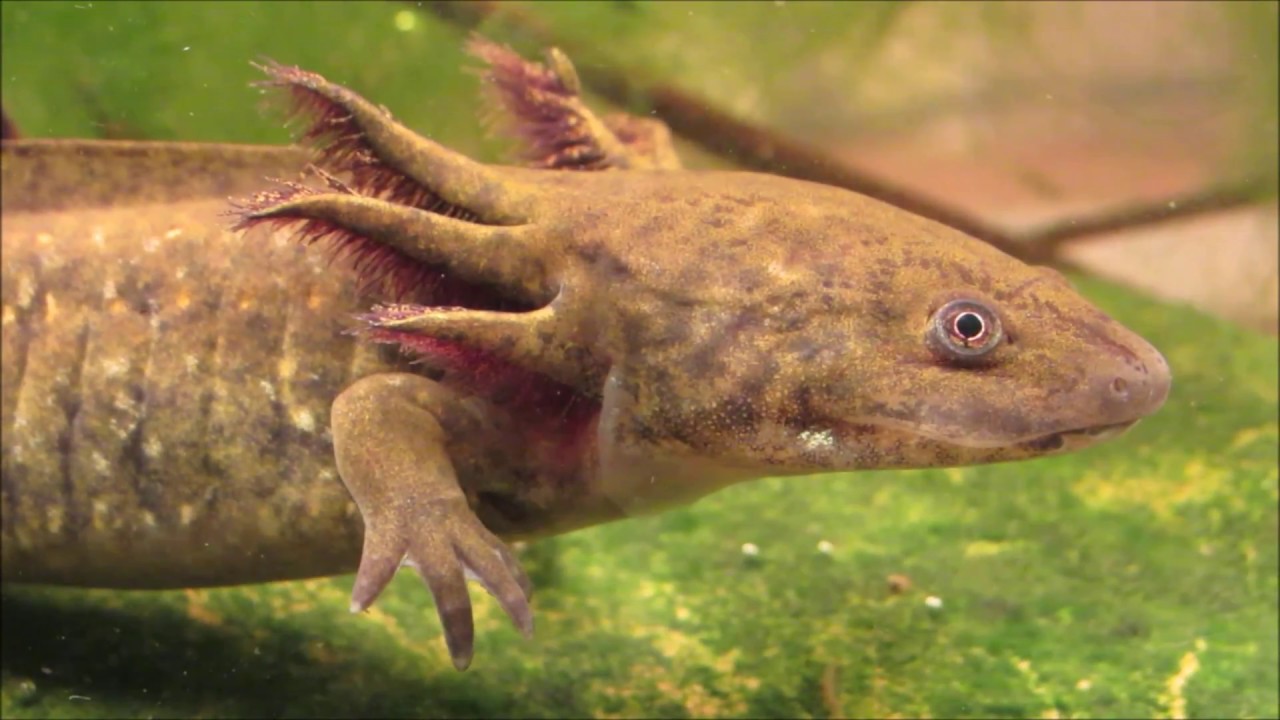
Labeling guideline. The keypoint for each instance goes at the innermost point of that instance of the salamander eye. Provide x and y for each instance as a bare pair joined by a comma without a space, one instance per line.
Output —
964,330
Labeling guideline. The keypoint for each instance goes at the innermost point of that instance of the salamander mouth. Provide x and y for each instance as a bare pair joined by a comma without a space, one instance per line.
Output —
1079,437
1059,440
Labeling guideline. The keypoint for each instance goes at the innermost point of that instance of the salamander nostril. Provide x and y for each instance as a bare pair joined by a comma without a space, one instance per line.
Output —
1120,387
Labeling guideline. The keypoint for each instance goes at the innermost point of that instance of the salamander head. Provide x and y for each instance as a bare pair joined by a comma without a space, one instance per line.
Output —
943,351
852,335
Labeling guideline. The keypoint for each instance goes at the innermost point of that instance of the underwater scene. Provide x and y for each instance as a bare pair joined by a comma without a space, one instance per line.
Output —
639,359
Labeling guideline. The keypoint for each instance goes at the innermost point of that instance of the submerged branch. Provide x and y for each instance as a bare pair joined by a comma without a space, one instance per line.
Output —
759,148
1050,237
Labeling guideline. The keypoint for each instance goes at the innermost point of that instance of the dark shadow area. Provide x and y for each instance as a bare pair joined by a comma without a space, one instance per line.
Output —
164,663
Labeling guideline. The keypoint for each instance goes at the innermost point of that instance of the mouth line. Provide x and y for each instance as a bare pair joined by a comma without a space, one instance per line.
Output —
1045,442
1057,440
1100,429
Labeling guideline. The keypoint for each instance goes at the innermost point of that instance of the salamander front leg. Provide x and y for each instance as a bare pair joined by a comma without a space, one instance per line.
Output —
391,441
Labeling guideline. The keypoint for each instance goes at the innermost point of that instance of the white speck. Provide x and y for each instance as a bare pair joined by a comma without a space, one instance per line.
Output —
1084,684
185,48
109,290
174,233
180,272
818,439
826,548
268,388
101,464
152,448
151,244
26,292
750,549
1173,204
192,362
304,421
79,697
99,239
934,602
115,367
53,516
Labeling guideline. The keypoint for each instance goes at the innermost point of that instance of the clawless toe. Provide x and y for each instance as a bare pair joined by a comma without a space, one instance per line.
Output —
392,455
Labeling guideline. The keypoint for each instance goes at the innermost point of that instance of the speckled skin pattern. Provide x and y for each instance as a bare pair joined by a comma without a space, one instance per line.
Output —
179,402
166,383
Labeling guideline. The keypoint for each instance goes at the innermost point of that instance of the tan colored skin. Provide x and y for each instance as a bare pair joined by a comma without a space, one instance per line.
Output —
166,384
730,325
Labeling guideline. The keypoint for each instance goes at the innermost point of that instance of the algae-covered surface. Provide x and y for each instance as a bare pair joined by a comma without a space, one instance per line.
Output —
1135,579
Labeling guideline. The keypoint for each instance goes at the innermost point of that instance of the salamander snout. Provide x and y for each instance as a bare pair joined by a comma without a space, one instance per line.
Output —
1139,386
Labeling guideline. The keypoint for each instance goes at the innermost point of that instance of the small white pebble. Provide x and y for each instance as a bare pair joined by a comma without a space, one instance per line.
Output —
933,601
825,547
750,549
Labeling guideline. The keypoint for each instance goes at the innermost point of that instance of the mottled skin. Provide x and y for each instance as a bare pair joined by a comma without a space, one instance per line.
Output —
166,384
709,328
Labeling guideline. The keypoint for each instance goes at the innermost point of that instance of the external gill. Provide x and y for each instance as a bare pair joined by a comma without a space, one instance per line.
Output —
387,160
421,222
380,270
518,338
388,237
492,354
542,108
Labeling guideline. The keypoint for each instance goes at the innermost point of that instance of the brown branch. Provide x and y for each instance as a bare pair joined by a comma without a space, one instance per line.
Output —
8,128
829,686
1050,237
758,148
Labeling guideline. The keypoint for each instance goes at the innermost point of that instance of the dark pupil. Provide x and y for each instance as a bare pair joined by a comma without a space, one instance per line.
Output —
969,326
